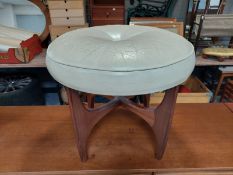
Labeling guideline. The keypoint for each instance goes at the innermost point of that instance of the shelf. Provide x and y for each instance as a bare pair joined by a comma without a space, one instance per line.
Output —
200,61
37,62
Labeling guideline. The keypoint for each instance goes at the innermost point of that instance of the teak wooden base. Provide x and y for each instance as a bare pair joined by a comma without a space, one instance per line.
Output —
159,118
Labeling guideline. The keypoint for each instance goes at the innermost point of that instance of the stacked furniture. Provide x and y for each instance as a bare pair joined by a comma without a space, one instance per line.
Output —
198,93
105,12
66,15
213,25
165,23
228,92
225,72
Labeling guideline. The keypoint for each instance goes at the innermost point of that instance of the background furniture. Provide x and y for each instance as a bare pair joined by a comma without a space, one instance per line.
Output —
160,8
66,16
35,68
148,20
205,24
105,12
175,27
219,25
32,16
225,73
228,92
199,93
200,61
169,24
20,25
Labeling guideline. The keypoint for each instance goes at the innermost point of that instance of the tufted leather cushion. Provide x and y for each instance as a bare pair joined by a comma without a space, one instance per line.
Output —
120,59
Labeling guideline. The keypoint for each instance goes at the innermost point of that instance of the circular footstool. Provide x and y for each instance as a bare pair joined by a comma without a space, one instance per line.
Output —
121,61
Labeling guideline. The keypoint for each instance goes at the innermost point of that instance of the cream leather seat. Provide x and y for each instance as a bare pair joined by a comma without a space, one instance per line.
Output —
120,60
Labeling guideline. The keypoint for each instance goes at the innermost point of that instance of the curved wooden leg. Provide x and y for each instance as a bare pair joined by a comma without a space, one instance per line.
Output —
159,118
84,119
163,119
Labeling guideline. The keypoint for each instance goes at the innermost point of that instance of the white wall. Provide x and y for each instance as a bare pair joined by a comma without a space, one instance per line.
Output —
7,16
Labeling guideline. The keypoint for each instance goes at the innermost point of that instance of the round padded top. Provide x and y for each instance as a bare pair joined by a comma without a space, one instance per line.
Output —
119,48
120,59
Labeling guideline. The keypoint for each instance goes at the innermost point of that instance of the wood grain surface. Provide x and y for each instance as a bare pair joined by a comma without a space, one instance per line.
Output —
41,139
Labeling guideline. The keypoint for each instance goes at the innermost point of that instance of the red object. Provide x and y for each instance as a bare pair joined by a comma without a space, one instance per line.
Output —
184,89
28,50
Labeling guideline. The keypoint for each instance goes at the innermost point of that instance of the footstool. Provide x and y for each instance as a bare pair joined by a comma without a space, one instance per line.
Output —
121,61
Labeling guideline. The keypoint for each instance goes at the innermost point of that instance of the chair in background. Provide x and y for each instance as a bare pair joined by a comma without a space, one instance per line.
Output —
167,24
213,25
228,92
150,8
148,20
226,72
209,24
160,8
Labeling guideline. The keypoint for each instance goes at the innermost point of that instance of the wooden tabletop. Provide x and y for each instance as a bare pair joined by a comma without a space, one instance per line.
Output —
35,139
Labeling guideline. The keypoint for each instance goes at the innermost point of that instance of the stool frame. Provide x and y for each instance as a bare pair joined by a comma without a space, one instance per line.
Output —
159,117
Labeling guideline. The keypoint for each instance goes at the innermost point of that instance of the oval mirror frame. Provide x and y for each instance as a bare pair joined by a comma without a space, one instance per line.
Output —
45,11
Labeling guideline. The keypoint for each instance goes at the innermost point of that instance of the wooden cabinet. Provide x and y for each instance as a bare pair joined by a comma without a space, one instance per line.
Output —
67,12
66,15
56,31
105,12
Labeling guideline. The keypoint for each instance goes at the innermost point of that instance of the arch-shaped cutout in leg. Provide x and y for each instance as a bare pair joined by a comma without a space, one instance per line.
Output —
84,119
158,117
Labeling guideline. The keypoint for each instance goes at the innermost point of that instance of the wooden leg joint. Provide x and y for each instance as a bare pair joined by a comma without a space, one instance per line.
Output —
159,118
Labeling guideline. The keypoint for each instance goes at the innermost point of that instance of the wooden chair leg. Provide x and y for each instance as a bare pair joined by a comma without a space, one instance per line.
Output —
218,87
91,100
